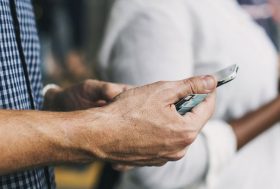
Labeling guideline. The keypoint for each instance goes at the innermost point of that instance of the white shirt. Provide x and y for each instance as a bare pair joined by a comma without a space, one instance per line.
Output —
151,40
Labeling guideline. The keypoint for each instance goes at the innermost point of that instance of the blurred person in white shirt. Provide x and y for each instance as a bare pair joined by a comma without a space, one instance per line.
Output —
167,40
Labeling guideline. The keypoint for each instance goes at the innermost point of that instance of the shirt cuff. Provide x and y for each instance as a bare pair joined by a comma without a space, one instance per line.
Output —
48,87
222,146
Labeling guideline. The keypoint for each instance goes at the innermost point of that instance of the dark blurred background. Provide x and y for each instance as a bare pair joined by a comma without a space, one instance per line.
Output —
70,32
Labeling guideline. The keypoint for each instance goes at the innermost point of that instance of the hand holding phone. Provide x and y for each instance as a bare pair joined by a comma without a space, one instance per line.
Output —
189,102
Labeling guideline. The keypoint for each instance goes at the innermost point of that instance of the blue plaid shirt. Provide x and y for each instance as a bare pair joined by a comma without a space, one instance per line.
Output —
20,80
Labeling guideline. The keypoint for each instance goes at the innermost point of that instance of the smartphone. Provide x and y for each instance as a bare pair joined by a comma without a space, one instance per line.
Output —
223,76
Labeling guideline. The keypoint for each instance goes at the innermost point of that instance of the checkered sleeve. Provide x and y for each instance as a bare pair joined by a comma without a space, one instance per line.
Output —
14,92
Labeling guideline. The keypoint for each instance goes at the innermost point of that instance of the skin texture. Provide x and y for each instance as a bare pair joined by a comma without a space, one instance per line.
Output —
139,127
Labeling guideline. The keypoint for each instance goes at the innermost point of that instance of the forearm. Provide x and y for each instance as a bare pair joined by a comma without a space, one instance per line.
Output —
256,122
32,138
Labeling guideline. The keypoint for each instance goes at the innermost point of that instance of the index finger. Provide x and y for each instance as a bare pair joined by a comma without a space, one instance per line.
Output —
111,90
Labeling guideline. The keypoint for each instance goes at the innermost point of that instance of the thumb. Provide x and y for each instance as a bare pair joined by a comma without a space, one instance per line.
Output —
194,85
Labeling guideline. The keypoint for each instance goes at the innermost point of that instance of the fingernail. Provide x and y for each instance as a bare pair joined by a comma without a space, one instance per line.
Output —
209,82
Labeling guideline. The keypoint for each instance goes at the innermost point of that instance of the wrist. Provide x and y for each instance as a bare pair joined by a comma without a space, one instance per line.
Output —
62,135
83,134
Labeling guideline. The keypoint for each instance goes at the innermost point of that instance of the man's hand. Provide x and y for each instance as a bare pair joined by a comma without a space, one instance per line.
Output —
89,94
142,127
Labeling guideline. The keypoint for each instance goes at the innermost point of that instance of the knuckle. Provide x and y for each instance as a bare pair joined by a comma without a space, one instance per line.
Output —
86,83
177,156
191,83
110,89
107,87
89,84
89,81
188,137
185,134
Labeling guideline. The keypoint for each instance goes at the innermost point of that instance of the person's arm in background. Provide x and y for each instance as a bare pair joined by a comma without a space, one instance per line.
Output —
256,122
126,131
153,45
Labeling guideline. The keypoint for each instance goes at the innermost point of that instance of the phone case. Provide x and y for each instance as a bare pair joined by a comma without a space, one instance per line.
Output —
187,104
